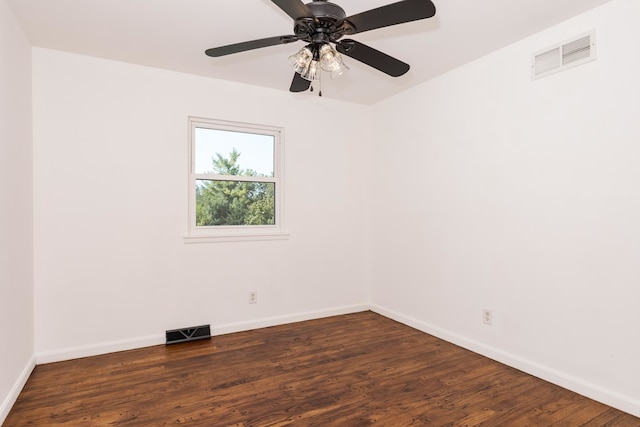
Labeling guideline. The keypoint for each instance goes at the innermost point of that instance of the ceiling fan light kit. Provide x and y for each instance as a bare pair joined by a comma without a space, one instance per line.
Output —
305,62
322,23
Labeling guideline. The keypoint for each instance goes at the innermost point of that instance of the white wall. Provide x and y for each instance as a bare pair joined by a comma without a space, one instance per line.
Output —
110,158
16,207
522,197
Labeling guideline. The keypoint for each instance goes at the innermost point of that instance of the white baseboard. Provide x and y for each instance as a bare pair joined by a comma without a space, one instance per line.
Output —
11,398
97,349
130,344
289,318
601,394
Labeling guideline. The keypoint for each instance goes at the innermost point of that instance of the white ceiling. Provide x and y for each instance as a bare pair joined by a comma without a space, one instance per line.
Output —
173,34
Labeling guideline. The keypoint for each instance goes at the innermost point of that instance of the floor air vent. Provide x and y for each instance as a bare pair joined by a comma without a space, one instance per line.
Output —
193,333
577,51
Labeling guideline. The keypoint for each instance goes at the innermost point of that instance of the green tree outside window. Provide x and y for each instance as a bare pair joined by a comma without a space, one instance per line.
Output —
221,202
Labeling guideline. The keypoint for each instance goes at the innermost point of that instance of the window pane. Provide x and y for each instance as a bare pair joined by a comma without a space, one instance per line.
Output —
233,153
234,203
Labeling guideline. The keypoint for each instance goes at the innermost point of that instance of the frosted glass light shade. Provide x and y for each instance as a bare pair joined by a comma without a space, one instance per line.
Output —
339,70
312,72
331,61
301,60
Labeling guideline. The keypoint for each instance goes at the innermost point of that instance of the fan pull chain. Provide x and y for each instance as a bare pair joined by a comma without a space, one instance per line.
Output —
320,84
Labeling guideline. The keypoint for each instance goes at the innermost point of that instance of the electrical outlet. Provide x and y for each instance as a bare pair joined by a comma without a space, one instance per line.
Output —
253,297
487,317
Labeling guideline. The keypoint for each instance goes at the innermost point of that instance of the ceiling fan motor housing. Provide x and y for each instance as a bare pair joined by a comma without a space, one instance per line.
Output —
327,25
324,10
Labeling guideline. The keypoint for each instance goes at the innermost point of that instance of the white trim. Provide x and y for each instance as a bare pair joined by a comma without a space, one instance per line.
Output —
98,349
231,237
608,397
202,176
212,234
11,398
151,340
230,328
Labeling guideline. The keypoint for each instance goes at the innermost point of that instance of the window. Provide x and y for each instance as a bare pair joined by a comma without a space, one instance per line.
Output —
235,181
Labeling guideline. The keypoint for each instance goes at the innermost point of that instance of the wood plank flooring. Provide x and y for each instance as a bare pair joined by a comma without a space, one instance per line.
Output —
354,370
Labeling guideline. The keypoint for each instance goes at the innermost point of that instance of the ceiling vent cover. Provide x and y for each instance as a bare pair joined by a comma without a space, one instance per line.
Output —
577,51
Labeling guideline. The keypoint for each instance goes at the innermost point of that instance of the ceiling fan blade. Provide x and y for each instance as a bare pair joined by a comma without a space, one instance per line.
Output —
391,14
299,84
372,57
250,45
294,8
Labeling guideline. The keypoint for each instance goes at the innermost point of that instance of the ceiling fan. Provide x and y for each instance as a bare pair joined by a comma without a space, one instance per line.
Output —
322,23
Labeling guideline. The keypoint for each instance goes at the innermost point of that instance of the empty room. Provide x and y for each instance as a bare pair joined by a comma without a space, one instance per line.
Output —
276,212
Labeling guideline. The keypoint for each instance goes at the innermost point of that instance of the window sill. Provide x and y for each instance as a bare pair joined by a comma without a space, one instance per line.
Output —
220,238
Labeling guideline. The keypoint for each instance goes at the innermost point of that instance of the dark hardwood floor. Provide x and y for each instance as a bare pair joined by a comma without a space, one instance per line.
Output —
353,370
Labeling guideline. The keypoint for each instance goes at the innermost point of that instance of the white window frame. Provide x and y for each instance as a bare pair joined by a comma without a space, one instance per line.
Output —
222,233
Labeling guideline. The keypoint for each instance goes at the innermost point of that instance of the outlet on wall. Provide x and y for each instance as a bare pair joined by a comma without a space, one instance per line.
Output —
487,317
253,297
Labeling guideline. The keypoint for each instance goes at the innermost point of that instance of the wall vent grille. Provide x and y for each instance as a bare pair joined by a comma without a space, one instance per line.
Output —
577,51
